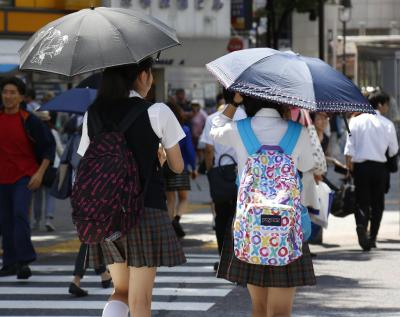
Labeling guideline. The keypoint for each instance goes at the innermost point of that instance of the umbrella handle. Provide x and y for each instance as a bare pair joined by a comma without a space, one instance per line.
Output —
346,123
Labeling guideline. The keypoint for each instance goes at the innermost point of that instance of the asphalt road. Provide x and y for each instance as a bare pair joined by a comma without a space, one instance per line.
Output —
349,282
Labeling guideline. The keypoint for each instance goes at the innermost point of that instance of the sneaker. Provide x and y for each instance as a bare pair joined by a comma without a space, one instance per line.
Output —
23,272
363,240
177,227
8,270
49,226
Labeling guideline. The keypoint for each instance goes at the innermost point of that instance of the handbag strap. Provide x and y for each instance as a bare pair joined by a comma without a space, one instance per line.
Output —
228,156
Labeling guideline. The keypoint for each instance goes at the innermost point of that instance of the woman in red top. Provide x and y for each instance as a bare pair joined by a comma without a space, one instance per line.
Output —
26,150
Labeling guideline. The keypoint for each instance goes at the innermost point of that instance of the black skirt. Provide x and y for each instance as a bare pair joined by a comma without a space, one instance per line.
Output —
151,243
297,273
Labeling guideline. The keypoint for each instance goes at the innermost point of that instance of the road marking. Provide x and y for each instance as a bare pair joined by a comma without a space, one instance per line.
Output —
92,278
165,291
175,269
65,304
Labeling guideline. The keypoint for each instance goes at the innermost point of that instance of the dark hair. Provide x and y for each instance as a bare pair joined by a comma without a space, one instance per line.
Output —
21,87
30,93
378,98
219,97
178,112
228,95
117,81
253,105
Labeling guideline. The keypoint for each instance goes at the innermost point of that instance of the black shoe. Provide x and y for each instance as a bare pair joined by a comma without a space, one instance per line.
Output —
76,290
8,270
363,239
23,272
372,243
216,264
177,227
106,283
313,255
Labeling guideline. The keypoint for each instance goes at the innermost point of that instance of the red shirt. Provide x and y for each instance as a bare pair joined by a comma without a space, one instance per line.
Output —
17,158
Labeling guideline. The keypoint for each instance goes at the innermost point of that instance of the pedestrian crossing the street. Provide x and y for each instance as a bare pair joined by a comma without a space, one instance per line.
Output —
192,287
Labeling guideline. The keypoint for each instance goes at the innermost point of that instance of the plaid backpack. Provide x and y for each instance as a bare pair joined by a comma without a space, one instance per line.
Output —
107,197
267,229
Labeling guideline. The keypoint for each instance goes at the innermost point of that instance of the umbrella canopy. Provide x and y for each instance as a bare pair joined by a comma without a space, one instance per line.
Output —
93,39
289,78
75,100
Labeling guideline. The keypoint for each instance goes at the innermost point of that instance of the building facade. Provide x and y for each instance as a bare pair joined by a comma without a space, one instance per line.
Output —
203,28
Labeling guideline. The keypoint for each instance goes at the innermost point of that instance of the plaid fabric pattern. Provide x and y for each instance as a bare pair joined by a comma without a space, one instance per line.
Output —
151,243
177,182
297,273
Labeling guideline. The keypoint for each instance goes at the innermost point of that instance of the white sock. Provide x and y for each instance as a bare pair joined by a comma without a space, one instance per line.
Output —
115,308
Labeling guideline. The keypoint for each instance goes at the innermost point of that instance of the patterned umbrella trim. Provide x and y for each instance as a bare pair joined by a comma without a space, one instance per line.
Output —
219,73
298,102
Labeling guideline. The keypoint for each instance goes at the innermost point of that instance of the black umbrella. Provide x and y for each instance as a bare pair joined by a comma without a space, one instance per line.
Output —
93,39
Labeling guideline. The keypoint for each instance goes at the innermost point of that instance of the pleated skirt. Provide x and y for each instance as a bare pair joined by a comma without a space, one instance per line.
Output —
297,273
151,243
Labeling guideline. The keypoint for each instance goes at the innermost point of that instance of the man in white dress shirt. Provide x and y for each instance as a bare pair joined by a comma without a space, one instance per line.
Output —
371,136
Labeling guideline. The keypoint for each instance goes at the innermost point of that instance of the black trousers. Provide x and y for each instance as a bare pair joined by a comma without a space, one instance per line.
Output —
224,212
80,262
370,179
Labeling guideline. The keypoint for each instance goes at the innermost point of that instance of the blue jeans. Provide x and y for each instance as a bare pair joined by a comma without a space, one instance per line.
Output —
43,201
14,220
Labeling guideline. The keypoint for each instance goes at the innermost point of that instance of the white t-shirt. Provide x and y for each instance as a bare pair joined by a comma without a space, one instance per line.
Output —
269,128
220,149
163,122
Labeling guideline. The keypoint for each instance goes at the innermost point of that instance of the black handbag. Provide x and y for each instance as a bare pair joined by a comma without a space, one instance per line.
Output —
62,185
392,164
222,180
344,201
49,176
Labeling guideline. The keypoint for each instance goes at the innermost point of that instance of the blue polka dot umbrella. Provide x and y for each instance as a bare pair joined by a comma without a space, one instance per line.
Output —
289,78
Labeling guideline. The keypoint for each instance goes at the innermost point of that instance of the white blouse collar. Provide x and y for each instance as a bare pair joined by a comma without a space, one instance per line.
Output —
268,112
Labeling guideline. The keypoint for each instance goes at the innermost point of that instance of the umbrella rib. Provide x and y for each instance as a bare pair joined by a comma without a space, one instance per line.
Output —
120,34
76,43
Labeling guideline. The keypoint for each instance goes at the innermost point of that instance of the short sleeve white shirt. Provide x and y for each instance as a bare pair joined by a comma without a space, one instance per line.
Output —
269,128
163,122
220,149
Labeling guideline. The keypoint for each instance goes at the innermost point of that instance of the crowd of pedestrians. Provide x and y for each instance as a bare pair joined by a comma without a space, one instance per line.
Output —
170,142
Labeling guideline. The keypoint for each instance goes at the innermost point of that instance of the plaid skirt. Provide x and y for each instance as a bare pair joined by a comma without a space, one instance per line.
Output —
177,182
297,273
151,243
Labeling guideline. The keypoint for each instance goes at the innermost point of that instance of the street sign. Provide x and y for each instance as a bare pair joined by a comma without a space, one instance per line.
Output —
235,44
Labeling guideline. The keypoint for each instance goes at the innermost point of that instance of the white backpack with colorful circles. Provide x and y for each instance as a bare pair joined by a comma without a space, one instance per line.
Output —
267,227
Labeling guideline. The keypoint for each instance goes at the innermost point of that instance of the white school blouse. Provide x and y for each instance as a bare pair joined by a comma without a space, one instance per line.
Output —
163,122
269,128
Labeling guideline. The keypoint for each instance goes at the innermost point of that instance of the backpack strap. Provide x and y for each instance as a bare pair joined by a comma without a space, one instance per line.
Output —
132,115
289,140
249,139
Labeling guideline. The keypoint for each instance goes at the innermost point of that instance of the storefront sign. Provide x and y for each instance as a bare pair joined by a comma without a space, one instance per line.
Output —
241,14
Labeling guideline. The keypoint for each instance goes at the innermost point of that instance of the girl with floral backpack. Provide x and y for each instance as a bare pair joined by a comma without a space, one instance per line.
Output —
266,250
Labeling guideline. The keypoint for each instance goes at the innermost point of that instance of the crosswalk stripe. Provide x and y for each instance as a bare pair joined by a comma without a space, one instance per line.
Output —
162,291
93,278
52,304
175,269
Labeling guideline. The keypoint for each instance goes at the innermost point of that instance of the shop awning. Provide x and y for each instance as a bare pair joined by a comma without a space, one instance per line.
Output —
9,58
